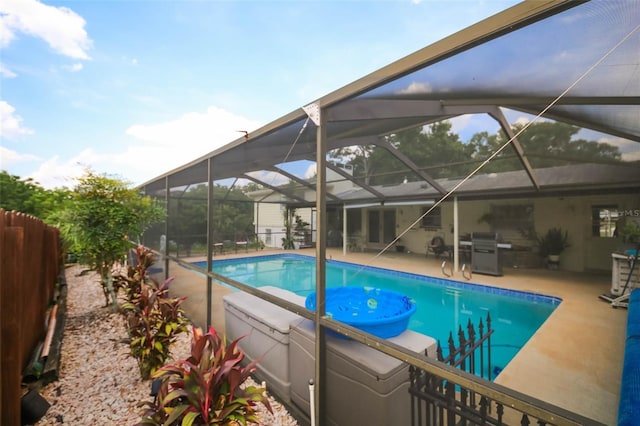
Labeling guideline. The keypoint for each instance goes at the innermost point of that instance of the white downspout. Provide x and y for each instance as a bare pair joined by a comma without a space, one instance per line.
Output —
456,259
345,241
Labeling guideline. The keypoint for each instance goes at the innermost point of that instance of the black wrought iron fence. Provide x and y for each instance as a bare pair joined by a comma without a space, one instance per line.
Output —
435,401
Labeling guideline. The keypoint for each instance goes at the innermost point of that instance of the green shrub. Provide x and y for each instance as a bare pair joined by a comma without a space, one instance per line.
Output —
631,232
206,388
553,242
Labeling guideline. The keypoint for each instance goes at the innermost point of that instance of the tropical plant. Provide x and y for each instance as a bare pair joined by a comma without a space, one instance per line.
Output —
131,283
153,318
99,220
301,228
207,388
553,242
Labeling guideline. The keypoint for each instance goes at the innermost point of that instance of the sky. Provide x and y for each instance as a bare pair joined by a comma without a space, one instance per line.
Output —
134,89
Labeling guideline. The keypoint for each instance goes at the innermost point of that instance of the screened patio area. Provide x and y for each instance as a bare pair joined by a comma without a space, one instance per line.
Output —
553,91
573,361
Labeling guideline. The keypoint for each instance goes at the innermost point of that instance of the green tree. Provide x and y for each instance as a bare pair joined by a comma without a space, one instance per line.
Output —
545,144
100,219
358,157
19,194
232,212
232,215
440,153
435,149
27,196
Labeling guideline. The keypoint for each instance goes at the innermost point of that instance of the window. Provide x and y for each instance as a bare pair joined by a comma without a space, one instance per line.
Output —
604,221
433,219
512,219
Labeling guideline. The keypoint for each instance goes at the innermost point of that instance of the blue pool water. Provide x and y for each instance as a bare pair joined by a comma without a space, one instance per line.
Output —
442,305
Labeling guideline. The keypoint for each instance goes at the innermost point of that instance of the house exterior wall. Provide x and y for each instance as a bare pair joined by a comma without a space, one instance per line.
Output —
573,214
269,221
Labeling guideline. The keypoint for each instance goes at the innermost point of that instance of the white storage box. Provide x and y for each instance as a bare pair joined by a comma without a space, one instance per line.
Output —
620,270
364,386
266,327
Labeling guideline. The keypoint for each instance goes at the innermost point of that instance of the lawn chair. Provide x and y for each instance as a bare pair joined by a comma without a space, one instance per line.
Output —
438,248
242,243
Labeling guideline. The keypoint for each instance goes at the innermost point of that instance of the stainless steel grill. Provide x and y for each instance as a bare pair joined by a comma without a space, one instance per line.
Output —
485,254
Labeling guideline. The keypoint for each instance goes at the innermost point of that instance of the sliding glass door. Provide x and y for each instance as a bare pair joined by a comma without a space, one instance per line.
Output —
381,226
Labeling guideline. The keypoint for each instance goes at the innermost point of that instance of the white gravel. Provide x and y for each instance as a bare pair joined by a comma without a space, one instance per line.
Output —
99,381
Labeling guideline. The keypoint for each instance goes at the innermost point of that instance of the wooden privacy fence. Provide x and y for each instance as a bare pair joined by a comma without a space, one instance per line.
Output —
30,265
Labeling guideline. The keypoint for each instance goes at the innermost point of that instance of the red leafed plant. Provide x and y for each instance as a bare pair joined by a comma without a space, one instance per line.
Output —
153,319
137,274
206,388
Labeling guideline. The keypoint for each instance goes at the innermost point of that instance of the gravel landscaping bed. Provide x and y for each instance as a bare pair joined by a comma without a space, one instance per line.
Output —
99,382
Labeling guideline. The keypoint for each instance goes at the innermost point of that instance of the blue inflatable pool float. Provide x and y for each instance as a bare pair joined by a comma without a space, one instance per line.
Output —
383,313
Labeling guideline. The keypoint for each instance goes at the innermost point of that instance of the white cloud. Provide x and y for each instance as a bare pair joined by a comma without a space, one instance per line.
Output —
11,124
60,27
200,132
630,150
416,88
311,171
269,177
6,72
176,142
9,158
522,121
6,34
74,67
631,156
459,123
156,149
54,173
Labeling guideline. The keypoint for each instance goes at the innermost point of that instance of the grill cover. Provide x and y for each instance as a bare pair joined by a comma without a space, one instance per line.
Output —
486,258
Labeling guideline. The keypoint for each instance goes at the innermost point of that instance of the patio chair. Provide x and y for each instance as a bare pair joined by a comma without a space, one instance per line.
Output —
438,247
218,248
242,243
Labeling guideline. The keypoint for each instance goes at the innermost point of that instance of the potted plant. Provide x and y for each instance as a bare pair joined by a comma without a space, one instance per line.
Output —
300,232
631,232
287,240
631,236
553,243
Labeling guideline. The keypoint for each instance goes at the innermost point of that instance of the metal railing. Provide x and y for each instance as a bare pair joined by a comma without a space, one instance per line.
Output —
437,400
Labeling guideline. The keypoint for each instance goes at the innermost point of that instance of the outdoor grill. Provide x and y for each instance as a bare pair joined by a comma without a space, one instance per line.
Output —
485,254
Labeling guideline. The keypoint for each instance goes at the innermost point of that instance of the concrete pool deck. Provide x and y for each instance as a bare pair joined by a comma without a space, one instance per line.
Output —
573,361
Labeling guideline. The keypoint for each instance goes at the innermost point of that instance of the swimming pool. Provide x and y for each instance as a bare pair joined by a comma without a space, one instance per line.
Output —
442,305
